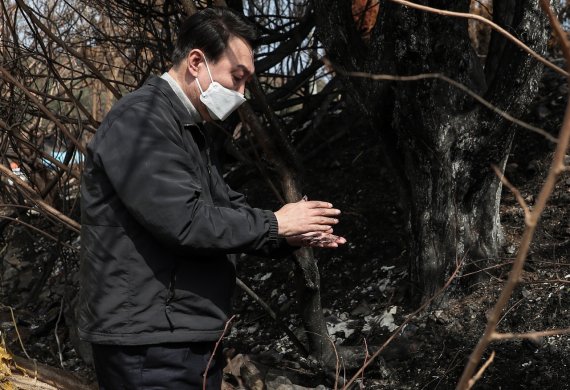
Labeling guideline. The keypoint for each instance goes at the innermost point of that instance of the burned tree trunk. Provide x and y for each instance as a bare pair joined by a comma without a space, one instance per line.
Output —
440,141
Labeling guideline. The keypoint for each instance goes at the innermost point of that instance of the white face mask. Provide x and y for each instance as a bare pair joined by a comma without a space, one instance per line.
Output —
219,100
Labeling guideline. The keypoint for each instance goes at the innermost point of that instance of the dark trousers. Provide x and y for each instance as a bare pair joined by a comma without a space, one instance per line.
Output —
154,367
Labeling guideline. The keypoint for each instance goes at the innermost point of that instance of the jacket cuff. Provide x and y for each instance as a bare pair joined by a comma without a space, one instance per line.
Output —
273,228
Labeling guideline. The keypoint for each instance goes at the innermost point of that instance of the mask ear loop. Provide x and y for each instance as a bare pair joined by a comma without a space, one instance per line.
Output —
210,74
199,87
208,69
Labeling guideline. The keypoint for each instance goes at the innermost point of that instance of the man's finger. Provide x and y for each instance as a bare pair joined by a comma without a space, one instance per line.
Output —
324,221
317,204
325,212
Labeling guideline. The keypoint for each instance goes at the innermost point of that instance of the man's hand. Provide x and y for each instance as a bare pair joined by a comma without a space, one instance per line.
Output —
305,217
317,240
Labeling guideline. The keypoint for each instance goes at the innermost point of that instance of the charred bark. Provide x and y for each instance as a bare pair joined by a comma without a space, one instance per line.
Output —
441,142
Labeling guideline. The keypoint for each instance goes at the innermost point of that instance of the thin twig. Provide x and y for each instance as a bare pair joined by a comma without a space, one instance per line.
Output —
554,263
204,382
366,355
513,307
57,337
490,23
481,370
18,333
546,281
337,367
485,269
273,315
514,190
530,335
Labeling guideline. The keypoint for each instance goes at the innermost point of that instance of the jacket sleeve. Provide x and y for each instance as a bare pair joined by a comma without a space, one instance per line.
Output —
278,248
158,181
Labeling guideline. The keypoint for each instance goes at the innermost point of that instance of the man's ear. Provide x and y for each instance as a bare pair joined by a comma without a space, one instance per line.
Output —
194,58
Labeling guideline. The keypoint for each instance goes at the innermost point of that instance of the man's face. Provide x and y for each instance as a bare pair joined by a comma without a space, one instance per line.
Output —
232,70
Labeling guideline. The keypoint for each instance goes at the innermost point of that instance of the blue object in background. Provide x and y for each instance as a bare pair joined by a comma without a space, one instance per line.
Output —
59,155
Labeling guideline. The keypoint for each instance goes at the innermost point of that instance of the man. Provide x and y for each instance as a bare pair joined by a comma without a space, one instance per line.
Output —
160,228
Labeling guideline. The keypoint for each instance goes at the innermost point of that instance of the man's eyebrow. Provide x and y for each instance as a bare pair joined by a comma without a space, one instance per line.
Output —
245,68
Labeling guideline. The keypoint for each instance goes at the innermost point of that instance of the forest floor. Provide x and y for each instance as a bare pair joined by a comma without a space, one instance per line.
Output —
363,284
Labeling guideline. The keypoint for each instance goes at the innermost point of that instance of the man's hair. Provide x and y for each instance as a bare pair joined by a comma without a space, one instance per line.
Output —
210,30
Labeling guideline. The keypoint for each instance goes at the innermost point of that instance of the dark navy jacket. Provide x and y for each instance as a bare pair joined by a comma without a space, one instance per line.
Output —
159,227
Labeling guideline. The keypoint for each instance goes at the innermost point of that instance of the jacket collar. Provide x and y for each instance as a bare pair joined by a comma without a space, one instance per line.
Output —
182,112
182,96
